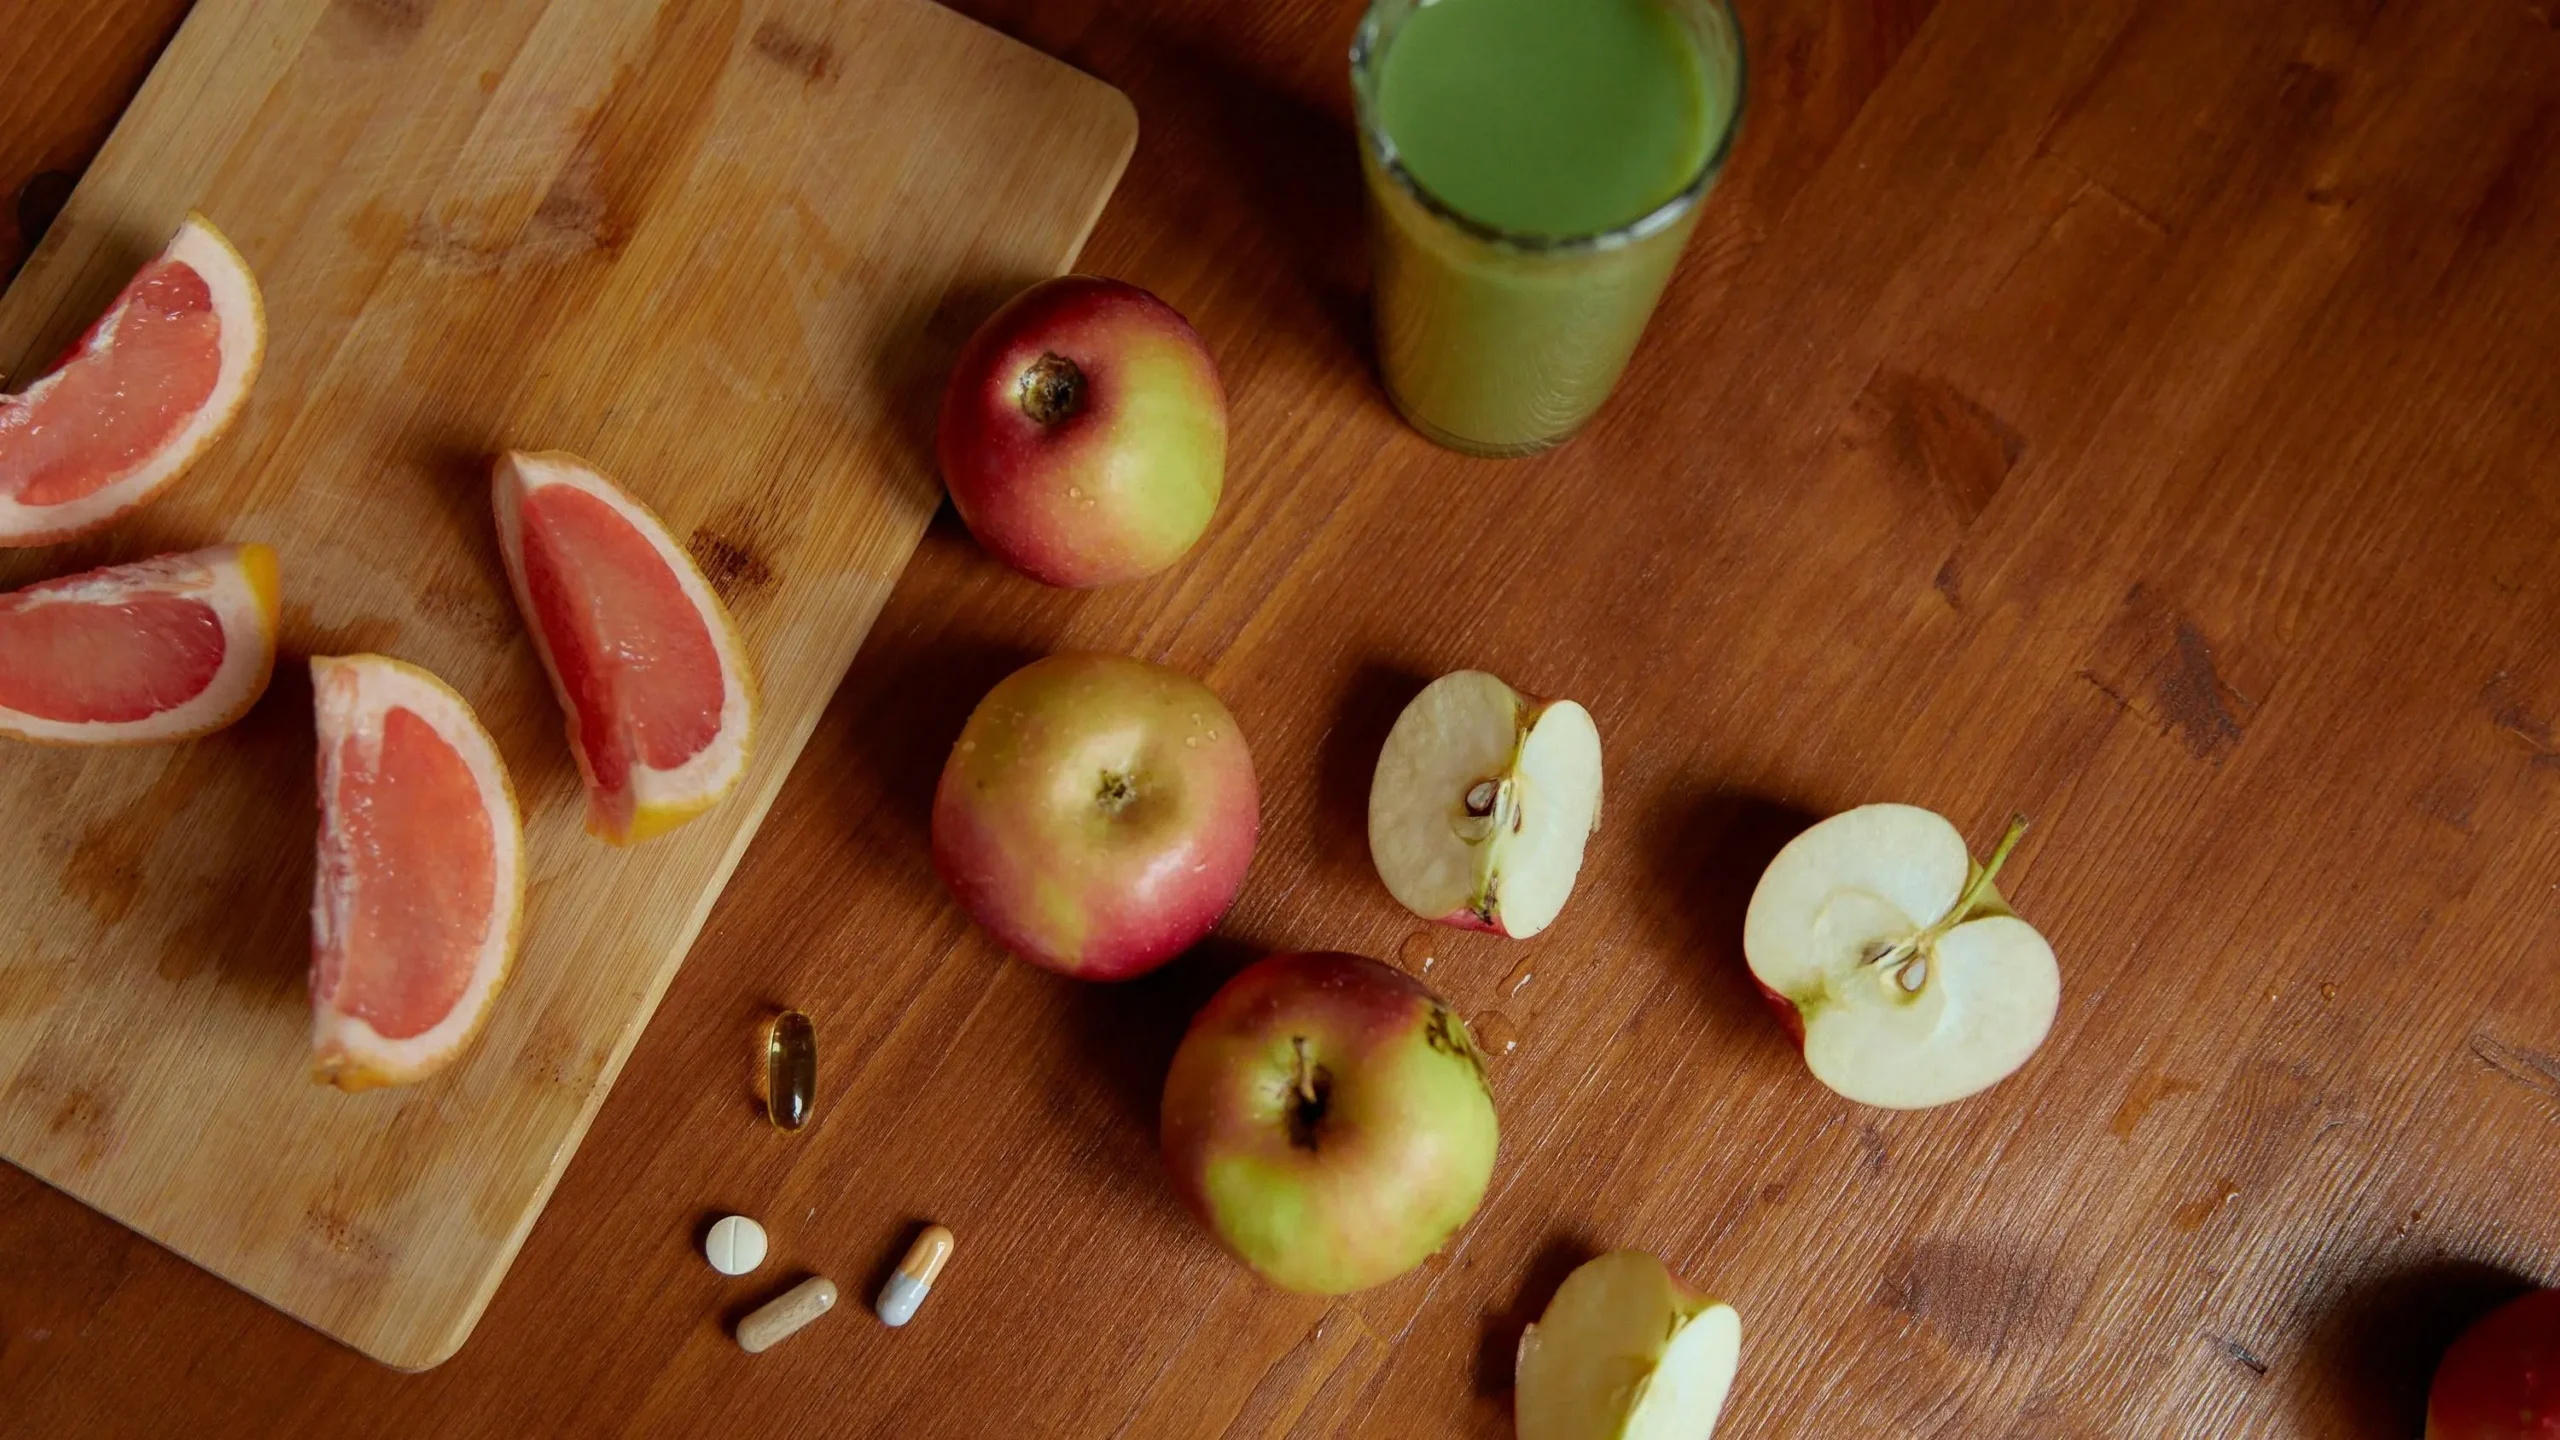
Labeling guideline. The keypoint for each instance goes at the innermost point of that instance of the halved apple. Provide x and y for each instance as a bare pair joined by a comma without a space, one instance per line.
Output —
1481,804
1910,981
1626,1352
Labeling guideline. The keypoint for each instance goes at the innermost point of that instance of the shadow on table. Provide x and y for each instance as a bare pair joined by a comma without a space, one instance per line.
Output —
1127,1032
1347,760
2371,1354
1498,1355
917,688
1705,852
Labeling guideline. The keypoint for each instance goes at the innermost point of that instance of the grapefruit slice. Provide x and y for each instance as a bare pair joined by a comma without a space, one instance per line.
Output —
158,650
420,884
151,386
641,652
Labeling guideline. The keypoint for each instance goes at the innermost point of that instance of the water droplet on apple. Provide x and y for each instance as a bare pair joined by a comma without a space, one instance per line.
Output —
1190,742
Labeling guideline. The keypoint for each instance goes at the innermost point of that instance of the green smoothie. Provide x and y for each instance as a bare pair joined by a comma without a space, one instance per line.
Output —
1534,170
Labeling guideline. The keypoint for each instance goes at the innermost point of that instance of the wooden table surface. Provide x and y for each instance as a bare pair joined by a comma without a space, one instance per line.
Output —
2146,417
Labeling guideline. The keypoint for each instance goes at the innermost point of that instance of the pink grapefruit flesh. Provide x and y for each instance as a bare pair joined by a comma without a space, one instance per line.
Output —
159,650
420,881
642,655
147,390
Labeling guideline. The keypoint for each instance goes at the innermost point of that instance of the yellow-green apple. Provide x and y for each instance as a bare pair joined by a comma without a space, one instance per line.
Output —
2501,1380
1481,803
1097,814
1906,978
1626,1352
1327,1118
1084,433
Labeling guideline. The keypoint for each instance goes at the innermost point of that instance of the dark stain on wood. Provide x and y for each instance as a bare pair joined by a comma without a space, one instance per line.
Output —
2157,663
1875,1153
2139,1097
733,566
2191,1216
573,214
2509,711
392,19
1975,1296
2448,801
813,60
448,248
2193,697
78,1115
1943,437
1949,581
31,989
105,871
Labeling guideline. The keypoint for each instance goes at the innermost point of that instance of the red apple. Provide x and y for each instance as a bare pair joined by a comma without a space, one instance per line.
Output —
1084,433
1097,814
2501,1380
1327,1118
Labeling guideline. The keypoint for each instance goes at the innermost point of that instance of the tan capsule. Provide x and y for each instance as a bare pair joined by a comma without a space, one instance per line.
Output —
790,1070
781,1317
914,1277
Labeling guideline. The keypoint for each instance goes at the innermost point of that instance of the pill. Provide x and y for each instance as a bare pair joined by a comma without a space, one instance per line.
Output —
735,1245
914,1277
781,1317
790,1070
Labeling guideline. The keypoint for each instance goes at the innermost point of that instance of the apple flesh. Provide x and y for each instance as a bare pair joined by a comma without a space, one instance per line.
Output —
1328,1119
1097,814
2501,1380
1904,976
1482,802
1084,433
1626,1352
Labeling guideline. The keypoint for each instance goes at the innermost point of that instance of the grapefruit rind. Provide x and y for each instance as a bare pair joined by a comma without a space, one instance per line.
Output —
237,581
661,800
351,694
242,314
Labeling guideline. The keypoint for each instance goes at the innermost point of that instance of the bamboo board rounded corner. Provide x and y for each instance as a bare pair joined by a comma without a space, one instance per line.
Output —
709,244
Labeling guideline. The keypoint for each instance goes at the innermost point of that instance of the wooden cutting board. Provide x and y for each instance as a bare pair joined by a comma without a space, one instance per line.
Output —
724,248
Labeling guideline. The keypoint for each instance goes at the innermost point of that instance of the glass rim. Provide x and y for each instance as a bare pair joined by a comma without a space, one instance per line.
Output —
1382,148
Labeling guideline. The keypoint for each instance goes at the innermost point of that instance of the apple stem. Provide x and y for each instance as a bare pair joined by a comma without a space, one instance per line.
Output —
1306,1085
1990,870
1906,959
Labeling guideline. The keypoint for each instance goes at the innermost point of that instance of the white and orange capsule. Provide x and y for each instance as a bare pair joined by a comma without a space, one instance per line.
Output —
913,1279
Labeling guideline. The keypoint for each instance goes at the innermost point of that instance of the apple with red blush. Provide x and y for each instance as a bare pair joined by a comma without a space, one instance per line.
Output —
1097,814
1084,433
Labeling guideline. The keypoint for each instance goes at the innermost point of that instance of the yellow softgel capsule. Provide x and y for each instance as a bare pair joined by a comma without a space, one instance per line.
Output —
913,1278
790,1070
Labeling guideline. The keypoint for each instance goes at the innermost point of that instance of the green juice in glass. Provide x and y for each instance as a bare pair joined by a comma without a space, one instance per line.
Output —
1534,168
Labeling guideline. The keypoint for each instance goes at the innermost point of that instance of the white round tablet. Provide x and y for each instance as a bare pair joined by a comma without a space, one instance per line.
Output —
735,1245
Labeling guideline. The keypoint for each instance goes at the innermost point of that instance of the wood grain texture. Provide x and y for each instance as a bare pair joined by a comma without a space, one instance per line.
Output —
720,248
2141,415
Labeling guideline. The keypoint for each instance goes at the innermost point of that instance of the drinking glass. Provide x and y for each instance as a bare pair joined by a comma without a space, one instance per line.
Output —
1496,343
